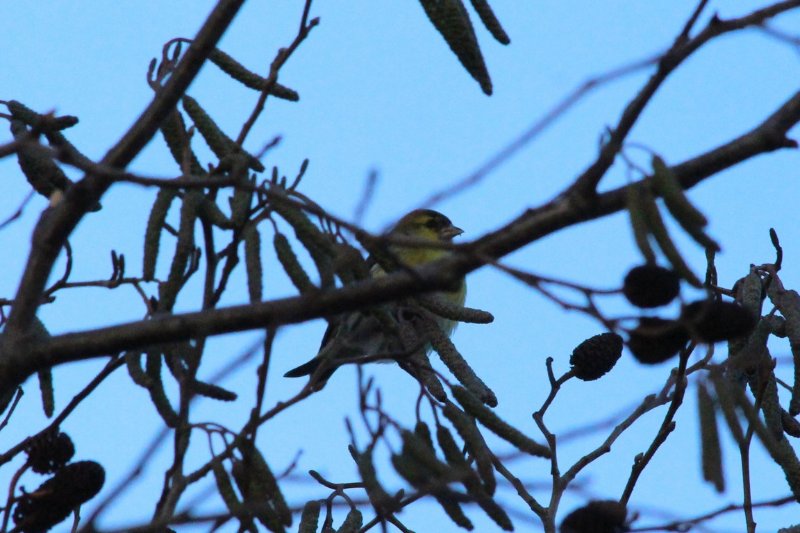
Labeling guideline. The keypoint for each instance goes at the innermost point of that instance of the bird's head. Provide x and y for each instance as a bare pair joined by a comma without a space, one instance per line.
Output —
427,224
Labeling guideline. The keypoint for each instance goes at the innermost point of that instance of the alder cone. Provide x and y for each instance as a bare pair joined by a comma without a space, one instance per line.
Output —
656,340
650,286
49,452
57,497
598,516
595,356
716,320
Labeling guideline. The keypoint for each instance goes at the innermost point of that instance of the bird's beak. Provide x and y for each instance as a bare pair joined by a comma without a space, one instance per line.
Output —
451,231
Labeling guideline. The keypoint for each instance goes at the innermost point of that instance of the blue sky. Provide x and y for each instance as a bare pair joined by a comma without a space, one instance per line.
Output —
380,91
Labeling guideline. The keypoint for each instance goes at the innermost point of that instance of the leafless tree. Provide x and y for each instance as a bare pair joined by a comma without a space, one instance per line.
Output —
218,214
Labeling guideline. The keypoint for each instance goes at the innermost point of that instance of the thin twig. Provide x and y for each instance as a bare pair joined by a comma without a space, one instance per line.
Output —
667,426
107,370
283,56
17,397
53,230
686,524
18,213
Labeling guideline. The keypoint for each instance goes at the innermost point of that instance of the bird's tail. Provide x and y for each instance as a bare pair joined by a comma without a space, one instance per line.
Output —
306,369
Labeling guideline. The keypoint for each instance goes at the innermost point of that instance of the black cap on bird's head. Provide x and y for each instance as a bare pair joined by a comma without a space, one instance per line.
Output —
427,223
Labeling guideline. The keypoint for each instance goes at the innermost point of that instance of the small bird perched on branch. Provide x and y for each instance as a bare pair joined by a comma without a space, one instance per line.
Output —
378,333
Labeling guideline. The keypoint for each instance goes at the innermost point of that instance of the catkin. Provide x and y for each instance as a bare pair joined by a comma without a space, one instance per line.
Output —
498,426
451,20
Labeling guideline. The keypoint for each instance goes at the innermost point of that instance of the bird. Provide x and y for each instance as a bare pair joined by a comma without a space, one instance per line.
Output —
364,335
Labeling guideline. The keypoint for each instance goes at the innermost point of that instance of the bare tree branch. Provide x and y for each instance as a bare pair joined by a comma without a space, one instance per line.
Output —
675,56
565,210
57,224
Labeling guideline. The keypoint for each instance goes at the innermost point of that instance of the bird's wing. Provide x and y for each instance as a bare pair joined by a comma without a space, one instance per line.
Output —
330,332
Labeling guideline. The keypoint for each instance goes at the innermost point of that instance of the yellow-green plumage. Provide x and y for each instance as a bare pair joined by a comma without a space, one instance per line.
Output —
364,334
